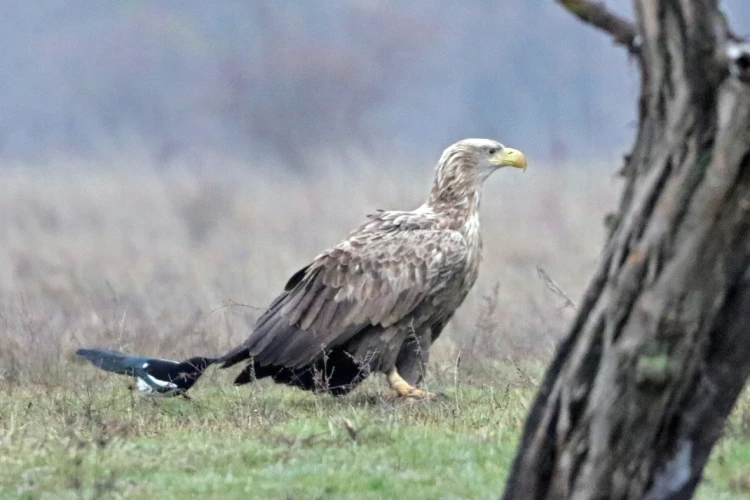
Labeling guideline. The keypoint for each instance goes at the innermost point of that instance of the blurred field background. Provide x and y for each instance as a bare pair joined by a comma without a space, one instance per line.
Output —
176,263
165,167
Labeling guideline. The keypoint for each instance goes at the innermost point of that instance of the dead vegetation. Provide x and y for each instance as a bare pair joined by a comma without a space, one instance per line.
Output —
178,262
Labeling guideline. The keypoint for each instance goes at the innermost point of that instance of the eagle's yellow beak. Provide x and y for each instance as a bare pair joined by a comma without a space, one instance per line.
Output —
509,157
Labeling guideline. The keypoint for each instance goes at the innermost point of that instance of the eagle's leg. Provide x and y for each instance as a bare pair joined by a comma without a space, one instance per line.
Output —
405,389
413,355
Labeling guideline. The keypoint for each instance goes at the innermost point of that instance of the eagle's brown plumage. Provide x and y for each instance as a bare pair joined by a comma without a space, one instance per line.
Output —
376,301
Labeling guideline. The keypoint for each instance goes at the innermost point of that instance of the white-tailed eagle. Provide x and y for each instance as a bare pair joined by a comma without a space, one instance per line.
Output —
378,300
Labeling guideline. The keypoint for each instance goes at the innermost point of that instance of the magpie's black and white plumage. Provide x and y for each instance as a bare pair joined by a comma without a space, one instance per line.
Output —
155,377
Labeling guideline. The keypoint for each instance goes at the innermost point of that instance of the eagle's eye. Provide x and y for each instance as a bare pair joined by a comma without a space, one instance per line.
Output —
492,151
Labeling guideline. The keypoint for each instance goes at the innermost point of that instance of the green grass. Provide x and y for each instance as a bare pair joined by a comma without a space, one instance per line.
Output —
265,441
81,266
269,441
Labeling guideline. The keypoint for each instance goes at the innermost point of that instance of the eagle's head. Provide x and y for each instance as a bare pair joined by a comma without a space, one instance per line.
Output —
465,165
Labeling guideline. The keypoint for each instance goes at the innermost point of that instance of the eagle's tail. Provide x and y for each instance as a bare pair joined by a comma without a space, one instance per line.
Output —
233,357
242,351
111,361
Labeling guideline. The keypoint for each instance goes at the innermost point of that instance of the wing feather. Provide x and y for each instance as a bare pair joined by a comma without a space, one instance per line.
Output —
375,278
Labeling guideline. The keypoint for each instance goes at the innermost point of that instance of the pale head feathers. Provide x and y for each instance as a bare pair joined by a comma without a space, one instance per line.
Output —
462,169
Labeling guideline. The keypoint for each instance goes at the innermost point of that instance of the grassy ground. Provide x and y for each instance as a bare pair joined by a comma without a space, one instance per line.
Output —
178,263
271,442
278,442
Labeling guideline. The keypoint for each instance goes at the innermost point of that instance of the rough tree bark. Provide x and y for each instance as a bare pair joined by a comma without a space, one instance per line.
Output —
639,391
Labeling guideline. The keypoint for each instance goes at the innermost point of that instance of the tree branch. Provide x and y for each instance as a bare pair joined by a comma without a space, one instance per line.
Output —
554,287
596,14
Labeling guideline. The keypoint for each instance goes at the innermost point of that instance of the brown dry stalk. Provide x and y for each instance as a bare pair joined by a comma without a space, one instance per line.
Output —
554,287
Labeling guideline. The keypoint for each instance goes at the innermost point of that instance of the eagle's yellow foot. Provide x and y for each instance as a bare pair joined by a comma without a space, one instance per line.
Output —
416,393
406,390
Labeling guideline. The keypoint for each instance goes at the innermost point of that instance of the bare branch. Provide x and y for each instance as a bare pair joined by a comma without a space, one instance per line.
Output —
232,303
554,287
596,14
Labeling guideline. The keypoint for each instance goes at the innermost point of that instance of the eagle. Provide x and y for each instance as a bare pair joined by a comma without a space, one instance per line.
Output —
377,301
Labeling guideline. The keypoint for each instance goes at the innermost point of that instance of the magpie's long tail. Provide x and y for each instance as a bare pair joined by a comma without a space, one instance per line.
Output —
111,361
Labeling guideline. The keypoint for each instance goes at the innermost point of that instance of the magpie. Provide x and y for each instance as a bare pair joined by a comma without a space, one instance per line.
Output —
155,377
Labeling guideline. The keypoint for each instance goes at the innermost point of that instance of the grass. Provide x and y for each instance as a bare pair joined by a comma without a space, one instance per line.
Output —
270,441
266,442
180,262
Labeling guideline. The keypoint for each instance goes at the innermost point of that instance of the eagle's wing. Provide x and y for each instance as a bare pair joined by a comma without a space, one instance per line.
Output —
373,278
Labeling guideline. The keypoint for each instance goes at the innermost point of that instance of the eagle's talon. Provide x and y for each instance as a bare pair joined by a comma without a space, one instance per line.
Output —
420,394
406,390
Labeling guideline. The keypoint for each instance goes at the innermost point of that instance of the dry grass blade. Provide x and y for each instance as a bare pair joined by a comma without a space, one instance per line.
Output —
350,429
232,303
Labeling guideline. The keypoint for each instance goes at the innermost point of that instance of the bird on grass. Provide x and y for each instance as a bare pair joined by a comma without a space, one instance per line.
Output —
378,300
155,377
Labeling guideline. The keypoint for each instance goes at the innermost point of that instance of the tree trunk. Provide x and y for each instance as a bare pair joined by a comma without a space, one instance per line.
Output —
639,391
